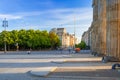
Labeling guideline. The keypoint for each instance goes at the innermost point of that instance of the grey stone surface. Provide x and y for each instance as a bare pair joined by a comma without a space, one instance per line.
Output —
15,66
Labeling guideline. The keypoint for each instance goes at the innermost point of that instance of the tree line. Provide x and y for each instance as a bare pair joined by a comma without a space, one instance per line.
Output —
26,39
81,45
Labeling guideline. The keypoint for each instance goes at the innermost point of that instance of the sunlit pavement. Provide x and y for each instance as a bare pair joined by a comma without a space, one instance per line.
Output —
17,66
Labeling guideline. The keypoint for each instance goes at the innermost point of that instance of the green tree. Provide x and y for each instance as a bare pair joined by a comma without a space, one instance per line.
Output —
1,41
27,39
54,39
22,39
81,45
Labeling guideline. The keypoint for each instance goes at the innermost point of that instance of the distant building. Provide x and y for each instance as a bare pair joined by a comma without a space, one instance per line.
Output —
85,37
53,30
67,40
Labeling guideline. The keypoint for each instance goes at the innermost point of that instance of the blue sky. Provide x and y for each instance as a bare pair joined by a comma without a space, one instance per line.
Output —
47,14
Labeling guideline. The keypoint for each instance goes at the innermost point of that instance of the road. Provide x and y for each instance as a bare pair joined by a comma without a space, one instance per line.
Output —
16,66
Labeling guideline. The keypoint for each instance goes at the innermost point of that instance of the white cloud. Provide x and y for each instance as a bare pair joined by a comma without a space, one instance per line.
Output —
56,17
60,13
53,19
8,16
66,16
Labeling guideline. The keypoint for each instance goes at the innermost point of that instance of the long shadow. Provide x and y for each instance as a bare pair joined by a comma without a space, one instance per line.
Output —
33,52
19,76
65,75
91,73
27,65
44,64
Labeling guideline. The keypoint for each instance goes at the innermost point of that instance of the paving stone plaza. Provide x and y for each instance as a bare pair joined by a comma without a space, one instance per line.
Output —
54,65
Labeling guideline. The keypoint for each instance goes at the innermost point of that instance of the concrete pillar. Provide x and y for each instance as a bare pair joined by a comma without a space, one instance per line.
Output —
113,28
95,26
102,26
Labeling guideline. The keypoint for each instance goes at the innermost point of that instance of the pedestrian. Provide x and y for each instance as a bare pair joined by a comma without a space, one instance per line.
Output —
61,50
29,52
69,50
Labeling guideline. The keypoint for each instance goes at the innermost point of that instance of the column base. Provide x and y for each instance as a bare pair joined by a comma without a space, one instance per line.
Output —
97,54
106,59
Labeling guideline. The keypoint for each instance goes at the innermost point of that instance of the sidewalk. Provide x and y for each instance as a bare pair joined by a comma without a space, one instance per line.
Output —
71,67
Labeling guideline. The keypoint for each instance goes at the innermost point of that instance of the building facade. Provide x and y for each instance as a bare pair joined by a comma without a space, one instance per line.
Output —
67,40
85,37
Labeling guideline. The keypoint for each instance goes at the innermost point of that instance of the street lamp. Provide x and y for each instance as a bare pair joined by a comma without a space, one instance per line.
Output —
74,33
5,24
17,47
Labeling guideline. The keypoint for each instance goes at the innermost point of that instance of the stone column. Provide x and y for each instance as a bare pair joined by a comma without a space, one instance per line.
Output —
102,26
95,26
113,28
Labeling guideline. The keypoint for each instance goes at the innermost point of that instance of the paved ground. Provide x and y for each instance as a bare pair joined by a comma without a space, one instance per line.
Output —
16,66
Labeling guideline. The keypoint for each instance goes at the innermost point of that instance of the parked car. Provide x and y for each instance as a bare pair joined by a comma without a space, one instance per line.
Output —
77,50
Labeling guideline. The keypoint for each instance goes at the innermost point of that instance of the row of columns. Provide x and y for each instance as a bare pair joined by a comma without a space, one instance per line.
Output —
105,29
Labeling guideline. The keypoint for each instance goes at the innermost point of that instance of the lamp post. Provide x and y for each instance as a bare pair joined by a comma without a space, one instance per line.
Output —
17,47
5,24
74,33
